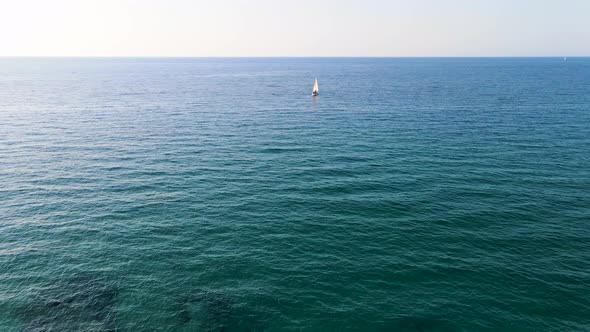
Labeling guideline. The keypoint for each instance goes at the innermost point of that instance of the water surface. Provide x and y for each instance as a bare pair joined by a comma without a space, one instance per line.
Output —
217,195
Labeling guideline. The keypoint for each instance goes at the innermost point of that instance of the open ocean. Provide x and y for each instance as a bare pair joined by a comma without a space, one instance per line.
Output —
414,194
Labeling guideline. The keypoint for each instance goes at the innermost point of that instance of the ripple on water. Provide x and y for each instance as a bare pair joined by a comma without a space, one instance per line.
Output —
83,303
452,194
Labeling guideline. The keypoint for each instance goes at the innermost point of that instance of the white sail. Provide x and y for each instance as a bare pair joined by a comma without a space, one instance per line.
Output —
316,88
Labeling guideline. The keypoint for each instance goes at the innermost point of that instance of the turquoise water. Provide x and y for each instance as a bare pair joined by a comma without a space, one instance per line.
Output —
217,195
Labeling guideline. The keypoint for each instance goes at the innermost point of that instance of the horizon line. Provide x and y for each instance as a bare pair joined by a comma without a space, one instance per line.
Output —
292,57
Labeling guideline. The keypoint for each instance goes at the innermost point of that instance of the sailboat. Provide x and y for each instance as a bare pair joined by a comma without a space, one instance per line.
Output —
316,88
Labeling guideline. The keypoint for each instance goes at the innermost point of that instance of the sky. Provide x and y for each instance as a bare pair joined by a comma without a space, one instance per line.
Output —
203,28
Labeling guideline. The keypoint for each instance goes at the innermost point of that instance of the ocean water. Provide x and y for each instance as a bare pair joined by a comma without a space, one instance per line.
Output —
218,195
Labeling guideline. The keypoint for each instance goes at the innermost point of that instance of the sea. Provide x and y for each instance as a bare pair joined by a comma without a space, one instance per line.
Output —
216,194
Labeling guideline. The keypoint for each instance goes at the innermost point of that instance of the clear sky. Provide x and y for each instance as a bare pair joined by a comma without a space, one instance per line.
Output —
295,28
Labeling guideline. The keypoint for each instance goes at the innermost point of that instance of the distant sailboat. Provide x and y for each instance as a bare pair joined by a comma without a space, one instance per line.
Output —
316,88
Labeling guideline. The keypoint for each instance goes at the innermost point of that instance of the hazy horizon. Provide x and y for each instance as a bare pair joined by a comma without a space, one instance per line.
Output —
289,57
264,28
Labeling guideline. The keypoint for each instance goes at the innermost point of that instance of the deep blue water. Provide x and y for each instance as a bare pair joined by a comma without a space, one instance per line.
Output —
217,195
